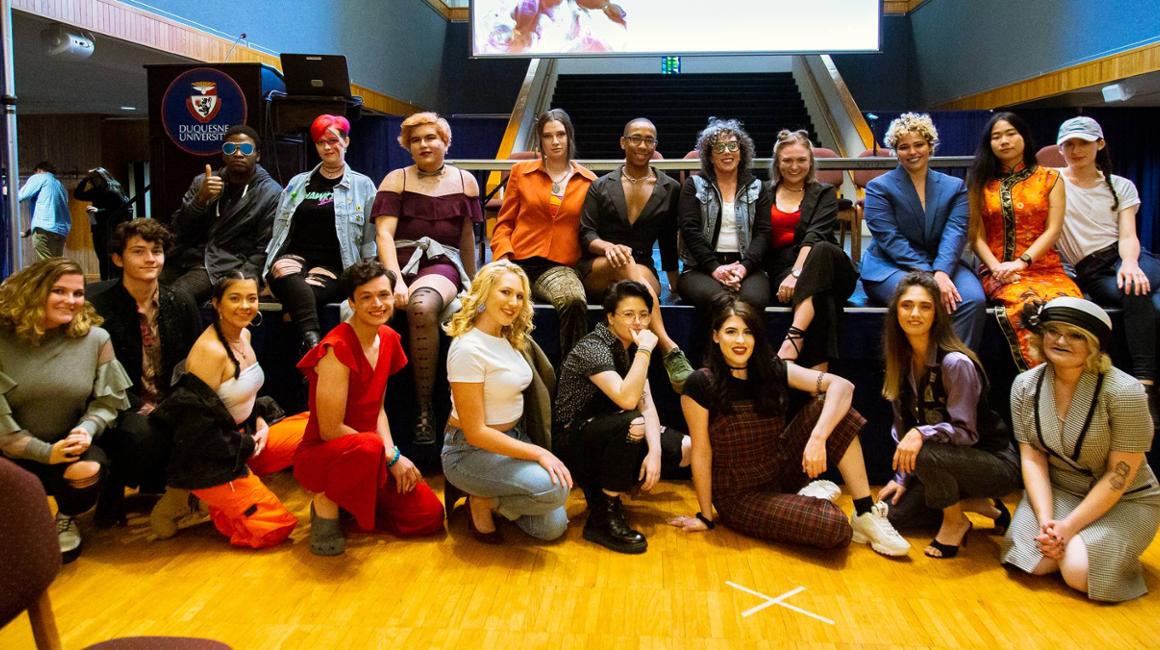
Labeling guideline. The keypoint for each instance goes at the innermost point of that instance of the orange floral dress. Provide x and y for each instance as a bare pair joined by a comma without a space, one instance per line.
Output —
1014,214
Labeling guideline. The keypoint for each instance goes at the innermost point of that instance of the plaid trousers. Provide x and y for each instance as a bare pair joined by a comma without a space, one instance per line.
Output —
757,471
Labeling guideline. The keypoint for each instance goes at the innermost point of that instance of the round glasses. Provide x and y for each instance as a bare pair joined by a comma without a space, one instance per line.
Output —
230,148
722,147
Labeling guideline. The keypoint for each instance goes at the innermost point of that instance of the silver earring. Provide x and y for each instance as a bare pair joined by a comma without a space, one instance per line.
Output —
257,320
480,309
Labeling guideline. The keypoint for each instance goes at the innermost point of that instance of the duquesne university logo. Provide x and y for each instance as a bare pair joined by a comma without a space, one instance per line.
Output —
203,103
198,107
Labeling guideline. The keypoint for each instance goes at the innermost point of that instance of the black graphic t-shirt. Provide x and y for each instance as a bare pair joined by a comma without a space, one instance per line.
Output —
312,233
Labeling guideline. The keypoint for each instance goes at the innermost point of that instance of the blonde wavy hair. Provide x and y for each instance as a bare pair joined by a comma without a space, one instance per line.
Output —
785,137
917,123
473,303
23,297
415,120
1097,360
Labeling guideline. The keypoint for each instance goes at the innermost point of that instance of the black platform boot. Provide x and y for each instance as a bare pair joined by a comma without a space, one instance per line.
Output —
606,526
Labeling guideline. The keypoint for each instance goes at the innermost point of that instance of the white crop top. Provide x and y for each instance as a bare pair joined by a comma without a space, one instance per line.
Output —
238,395
476,357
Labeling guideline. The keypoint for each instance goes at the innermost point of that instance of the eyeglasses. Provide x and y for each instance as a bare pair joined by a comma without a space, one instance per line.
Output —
631,316
638,140
722,147
230,148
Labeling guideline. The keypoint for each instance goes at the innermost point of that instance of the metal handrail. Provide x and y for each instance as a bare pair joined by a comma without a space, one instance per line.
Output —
678,164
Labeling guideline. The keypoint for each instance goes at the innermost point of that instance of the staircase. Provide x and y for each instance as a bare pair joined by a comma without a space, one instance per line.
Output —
680,105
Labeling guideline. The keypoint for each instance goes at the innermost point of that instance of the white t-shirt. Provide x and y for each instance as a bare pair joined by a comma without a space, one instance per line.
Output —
476,357
727,238
1089,225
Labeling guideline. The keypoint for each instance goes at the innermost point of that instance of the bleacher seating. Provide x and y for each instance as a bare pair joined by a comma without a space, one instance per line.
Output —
679,105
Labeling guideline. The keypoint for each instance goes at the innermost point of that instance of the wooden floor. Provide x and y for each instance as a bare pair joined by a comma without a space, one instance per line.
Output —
451,592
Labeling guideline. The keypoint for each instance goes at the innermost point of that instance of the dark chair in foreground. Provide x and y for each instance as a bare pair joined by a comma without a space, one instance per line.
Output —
30,560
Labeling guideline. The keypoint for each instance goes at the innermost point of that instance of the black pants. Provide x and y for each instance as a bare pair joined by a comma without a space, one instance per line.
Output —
193,282
301,299
70,500
138,453
699,289
945,474
1096,275
829,278
601,456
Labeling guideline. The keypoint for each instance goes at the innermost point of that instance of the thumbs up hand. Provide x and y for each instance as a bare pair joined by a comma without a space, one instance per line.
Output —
211,187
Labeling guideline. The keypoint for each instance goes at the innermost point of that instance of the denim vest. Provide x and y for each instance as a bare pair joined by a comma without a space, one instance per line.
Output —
353,197
744,208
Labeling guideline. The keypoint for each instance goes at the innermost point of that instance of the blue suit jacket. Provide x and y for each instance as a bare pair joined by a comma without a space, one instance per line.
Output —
906,238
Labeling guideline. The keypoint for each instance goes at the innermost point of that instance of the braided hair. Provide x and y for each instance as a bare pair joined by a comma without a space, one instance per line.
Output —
1104,164
219,291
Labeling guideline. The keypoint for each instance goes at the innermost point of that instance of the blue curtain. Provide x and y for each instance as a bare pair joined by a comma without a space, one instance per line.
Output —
374,148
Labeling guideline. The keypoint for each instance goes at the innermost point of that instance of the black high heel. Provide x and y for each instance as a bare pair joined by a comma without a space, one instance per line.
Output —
793,335
948,551
1003,521
493,538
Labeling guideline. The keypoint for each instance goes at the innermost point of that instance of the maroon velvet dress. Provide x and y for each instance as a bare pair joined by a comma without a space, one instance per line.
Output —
352,469
438,217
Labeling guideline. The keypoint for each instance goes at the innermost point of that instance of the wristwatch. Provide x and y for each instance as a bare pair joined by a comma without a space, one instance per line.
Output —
1025,258
797,273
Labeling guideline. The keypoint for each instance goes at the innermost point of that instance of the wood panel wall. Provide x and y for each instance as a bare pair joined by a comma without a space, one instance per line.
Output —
128,23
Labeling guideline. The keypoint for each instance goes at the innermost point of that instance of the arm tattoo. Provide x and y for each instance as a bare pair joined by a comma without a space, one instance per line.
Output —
1119,476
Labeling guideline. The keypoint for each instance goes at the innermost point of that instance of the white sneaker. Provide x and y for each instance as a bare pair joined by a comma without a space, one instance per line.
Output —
69,537
874,528
821,489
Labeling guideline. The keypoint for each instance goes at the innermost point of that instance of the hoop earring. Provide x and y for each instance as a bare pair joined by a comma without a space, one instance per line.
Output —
257,320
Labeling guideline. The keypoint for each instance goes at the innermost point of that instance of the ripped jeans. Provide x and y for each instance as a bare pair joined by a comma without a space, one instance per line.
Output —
523,488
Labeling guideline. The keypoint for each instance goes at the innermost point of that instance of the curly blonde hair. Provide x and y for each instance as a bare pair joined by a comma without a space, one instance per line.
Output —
23,297
415,120
473,303
1097,360
917,123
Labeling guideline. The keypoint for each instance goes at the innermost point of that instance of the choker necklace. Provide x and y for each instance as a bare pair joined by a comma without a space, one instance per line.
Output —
635,179
423,174
738,368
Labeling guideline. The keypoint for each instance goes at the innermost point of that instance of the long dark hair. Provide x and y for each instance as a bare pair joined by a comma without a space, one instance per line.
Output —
986,168
1104,164
896,347
763,371
219,291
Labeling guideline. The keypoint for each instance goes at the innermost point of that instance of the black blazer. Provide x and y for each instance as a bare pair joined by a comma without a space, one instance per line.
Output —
178,325
819,223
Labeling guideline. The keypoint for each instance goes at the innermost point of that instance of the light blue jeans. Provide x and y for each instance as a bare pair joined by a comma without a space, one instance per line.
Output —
525,492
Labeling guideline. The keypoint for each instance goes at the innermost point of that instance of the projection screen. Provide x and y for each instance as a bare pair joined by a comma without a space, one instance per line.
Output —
549,28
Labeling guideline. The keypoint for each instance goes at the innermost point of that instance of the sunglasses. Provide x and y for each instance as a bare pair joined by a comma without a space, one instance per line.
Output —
230,148
722,147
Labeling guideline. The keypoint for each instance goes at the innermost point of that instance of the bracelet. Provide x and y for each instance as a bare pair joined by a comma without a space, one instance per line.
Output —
818,387
396,458
644,350
707,521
